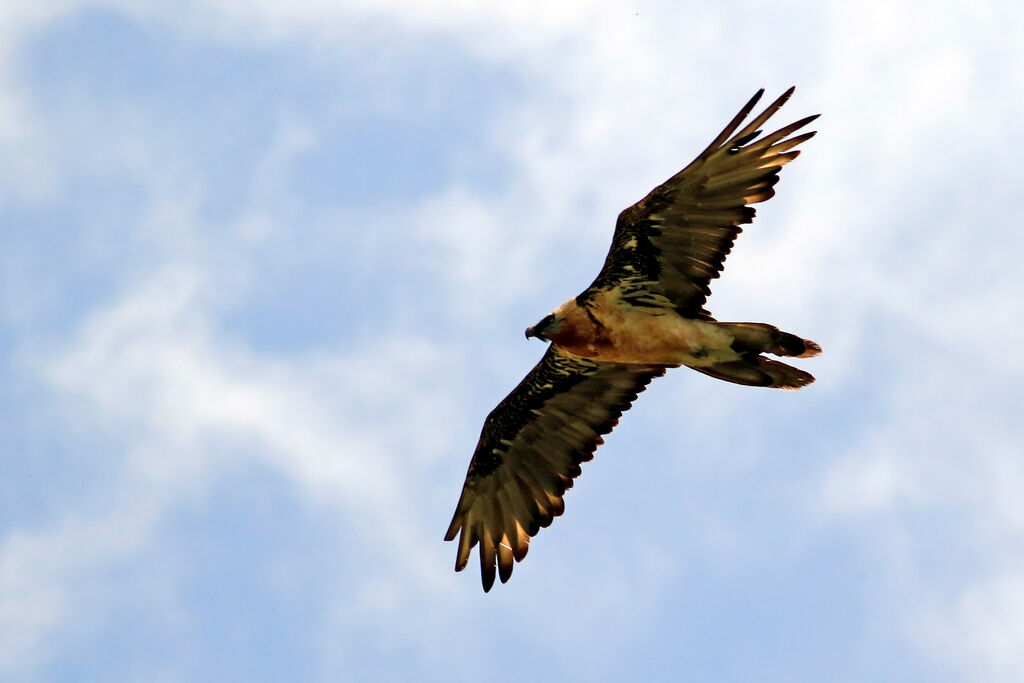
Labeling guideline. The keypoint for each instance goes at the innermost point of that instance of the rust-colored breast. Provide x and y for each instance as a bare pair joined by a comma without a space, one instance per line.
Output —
607,330
581,334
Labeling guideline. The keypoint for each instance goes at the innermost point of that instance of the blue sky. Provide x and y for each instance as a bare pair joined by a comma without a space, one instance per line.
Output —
266,269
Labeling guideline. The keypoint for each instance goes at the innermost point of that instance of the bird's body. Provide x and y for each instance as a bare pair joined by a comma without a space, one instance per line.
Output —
643,313
610,329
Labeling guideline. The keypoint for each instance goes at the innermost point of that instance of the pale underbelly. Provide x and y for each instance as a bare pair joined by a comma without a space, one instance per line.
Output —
666,339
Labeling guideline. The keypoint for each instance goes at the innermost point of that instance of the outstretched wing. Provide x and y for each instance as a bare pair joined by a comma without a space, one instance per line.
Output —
668,246
530,451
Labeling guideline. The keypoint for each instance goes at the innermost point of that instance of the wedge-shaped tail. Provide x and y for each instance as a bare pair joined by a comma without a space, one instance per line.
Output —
753,339
765,338
759,371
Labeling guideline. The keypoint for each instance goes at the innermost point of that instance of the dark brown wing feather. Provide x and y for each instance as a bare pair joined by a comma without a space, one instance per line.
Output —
668,246
530,451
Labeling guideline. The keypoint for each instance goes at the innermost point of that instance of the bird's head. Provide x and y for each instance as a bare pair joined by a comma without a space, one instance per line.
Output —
548,325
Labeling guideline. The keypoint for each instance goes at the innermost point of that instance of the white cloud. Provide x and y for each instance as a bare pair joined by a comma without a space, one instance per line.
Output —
151,368
983,629
945,448
152,364
45,572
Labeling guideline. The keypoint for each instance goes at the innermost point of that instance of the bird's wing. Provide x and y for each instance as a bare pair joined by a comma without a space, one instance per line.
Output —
668,246
530,450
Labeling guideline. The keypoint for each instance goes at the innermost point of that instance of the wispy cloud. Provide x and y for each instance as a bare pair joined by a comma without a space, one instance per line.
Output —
186,401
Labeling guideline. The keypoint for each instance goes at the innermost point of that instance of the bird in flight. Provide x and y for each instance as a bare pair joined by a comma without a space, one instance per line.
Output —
644,313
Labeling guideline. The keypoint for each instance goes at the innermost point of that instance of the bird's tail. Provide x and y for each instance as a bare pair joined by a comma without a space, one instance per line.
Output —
753,339
763,338
759,371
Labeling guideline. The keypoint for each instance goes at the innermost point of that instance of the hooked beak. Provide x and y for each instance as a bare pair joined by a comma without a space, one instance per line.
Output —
540,328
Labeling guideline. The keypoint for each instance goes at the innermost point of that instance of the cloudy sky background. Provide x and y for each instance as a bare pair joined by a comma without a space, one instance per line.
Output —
265,268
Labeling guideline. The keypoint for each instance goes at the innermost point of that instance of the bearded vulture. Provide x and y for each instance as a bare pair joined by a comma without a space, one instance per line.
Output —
644,313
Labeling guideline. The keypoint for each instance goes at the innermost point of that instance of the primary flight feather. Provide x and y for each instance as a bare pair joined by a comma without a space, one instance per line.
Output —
644,313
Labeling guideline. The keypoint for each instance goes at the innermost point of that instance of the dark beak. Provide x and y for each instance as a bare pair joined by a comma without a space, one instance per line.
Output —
539,329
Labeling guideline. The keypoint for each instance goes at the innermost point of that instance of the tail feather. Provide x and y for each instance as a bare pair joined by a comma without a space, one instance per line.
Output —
764,338
758,371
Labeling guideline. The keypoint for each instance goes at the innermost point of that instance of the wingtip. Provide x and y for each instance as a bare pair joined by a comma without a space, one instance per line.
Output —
520,550
803,122
487,562
487,575
505,569
784,97
465,547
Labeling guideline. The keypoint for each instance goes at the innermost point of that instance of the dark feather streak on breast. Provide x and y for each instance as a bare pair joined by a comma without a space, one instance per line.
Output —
593,318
